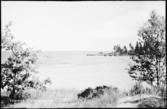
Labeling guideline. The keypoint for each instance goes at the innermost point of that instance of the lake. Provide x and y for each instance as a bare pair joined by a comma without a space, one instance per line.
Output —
76,70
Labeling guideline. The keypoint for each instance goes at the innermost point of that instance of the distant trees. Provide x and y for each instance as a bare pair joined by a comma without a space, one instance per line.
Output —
118,51
130,52
17,71
149,54
125,50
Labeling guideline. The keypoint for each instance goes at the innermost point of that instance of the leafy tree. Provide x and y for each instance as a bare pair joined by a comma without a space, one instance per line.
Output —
130,52
17,71
125,50
116,48
150,52
120,51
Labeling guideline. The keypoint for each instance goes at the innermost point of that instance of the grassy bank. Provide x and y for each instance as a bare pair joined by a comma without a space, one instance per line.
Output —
54,98
62,98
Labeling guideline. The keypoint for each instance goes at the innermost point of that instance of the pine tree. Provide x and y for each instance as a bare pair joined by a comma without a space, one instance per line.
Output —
150,52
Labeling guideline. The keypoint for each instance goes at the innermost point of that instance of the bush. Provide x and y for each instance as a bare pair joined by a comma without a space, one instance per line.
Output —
87,93
136,89
21,95
101,96
99,91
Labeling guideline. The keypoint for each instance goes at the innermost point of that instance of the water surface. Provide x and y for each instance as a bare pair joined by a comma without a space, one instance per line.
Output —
76,70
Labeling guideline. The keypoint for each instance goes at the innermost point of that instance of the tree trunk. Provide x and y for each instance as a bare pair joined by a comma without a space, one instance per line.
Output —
157,70
157,80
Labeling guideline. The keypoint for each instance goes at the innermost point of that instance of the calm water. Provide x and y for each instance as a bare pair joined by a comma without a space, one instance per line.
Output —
54,58
76,70
50,59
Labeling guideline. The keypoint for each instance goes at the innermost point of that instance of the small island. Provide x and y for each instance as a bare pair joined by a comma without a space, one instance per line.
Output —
118,51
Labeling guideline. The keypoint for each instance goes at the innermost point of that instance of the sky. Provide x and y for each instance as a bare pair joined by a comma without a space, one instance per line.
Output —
77,26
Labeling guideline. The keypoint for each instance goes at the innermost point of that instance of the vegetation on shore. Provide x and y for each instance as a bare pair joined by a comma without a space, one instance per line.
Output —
150,54
18,71
108,97
118,51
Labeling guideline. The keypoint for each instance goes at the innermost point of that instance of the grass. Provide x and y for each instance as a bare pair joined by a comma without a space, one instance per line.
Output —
141,97
62,98
55,98
152,102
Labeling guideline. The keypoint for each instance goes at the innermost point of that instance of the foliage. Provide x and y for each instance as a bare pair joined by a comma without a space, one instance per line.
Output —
119,51
149,54
130,52
17,72
136,89
125,50
101,96
99,91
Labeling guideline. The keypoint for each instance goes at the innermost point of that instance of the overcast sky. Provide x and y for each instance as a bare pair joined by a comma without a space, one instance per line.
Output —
77,26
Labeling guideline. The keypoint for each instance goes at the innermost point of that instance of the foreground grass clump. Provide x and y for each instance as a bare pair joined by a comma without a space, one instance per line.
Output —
52,98
18,98
138,89
49,98
152,102
101,96
146,97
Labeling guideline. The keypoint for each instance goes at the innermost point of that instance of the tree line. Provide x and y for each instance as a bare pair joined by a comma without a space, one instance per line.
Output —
119,51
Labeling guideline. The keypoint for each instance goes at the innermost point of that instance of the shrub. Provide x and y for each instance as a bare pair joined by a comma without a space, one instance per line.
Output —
99,91
87,93
103,96
136,89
